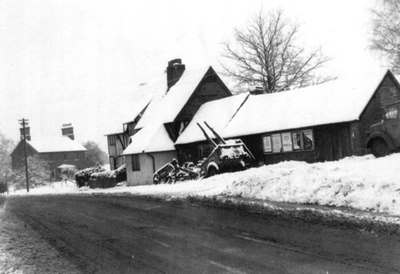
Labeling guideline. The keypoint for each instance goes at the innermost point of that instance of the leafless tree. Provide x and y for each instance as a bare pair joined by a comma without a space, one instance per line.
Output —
95,155
266,54
39,173
386,31
5,161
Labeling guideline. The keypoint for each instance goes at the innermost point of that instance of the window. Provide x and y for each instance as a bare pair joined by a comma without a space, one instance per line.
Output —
111,140
288,141
308,139
391,113
267,144
276,143
135,162
297,140
204,150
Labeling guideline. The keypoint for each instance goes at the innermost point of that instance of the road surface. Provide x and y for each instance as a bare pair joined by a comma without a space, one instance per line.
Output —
126,234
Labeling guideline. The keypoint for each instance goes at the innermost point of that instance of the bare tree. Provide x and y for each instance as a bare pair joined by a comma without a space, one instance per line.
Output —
5,161
39,173
95,155
386,31
265,54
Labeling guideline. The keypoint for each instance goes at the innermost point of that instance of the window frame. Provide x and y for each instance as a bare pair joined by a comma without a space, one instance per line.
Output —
112,140
265,137
301,146
312,139
292,133
135,162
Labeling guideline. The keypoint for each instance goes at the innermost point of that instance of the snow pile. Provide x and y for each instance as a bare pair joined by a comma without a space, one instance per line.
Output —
61,187
364,183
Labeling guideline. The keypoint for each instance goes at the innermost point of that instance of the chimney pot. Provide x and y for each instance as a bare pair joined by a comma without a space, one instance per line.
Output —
175,70
27,133
68,131
257,90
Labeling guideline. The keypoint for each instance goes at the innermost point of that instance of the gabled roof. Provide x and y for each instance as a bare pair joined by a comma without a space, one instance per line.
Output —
333,102
217,114
126,116
153,138
165,106
55,144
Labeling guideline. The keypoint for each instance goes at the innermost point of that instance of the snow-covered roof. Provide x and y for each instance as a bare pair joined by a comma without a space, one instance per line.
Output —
332,102
152,138
216,113
55,144
165,106
127,115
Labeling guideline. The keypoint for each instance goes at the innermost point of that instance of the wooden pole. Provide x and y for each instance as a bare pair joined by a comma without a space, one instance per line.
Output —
23,123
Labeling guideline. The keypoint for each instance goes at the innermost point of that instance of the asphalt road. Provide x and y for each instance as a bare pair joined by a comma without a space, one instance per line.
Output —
125,234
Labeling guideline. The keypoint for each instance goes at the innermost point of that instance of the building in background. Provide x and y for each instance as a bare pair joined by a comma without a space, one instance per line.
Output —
59,152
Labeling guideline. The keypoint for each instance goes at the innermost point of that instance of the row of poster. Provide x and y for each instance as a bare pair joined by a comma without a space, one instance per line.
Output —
289,141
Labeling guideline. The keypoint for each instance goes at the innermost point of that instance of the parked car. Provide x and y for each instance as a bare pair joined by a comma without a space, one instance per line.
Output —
384,137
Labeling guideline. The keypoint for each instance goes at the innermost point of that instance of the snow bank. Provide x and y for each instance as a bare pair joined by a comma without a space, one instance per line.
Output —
363,183
62,187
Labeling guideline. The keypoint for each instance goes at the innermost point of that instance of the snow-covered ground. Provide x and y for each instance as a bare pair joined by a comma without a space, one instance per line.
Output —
22,250
364,183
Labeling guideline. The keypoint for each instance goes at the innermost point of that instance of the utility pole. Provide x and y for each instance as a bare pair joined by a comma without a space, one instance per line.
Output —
24,122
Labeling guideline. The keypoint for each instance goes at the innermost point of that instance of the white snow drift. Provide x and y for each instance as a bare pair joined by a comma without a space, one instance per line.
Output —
362,183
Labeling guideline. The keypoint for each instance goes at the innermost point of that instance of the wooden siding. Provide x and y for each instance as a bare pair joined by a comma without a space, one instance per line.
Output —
115,150
210,88
331,142
388,92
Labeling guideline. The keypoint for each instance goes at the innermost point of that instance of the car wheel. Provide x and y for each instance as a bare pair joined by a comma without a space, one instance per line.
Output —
211,171
156,179
379,148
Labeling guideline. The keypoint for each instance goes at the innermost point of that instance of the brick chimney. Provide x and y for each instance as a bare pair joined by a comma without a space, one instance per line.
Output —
257,90
27,132
175,70
68,130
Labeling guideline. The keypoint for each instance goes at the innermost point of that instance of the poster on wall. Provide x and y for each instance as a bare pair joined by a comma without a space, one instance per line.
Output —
287,142
276,143
296,140
267,144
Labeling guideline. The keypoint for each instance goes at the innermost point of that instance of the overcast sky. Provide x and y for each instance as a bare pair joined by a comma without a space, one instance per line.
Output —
81,61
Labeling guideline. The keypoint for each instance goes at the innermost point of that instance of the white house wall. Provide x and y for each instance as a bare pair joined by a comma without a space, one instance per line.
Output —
144,176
